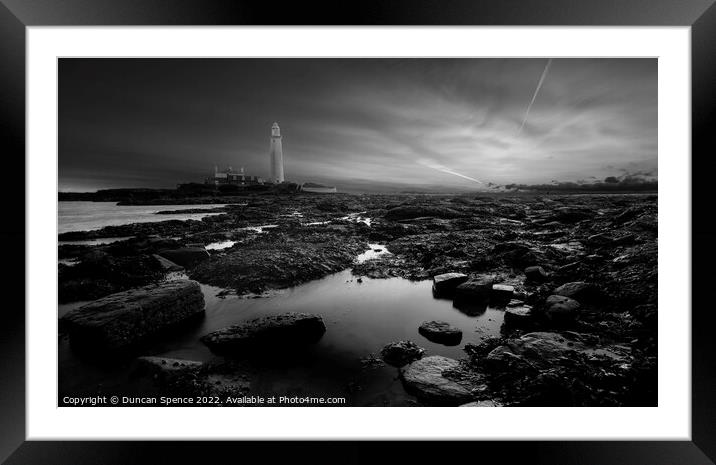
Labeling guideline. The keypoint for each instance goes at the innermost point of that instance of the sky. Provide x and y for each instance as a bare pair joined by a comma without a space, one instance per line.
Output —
358,124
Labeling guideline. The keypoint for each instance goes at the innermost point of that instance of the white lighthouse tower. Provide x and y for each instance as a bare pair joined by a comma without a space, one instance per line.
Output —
276,155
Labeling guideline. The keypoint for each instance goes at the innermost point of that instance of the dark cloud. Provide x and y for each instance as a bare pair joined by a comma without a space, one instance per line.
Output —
355,122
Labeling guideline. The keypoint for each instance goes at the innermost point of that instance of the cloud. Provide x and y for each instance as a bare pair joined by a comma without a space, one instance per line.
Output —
357,120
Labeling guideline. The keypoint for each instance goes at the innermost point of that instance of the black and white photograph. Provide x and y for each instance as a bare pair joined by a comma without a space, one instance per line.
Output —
357,232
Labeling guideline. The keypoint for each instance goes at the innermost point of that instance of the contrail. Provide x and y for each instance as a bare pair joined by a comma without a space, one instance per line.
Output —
534,97
444,169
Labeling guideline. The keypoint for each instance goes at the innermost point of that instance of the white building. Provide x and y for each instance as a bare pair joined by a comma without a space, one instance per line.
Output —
276,156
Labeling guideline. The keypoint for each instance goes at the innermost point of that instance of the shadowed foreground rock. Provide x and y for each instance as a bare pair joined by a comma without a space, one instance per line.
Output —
581,291
518,314
544,350
400,353
561,310
444,284
127,318
424,378
441,332
284,330
189,378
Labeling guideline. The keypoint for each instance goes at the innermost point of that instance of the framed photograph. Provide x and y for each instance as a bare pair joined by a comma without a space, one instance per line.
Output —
356,225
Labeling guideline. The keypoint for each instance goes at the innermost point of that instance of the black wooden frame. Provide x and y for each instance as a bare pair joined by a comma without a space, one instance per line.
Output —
16,15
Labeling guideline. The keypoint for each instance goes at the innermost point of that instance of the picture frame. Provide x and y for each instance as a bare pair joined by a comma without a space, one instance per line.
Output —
17,15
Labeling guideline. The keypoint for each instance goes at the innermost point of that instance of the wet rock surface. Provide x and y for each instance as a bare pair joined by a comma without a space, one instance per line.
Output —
444,285
427,378
401,353
125,319
561,310
441,332
567,368
599,251
518,315
266,334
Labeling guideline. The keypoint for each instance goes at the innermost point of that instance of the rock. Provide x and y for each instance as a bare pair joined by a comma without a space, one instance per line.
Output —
284,330
167,265
125,319
441,332
538,350
445,284
579,290
536,274
424,378
626,215
483,403
571,214
517,314
515,253
371,361
599,239
561,310
166,363
276,260
419,211
165,369
474,290
401,353
502,293
189,379
546,350
185,256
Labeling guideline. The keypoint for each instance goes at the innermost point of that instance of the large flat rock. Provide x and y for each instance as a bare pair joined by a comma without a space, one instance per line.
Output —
544,350
127,318
441,332
424,378
444,284
284,330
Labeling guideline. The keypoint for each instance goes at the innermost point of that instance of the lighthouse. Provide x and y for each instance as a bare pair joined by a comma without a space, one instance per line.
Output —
276,155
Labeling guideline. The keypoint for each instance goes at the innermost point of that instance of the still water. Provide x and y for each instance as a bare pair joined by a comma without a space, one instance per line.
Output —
360,317
88,216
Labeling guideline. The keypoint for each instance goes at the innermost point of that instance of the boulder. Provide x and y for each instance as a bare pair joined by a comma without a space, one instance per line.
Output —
185,256
474,290
538,350
283,330
445,284
401,353
124,319
441,332
579,290
546,350
424,378
517,314
502,293
561,310
536,274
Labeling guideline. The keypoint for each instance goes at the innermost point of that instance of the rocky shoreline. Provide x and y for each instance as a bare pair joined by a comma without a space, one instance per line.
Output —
576,276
